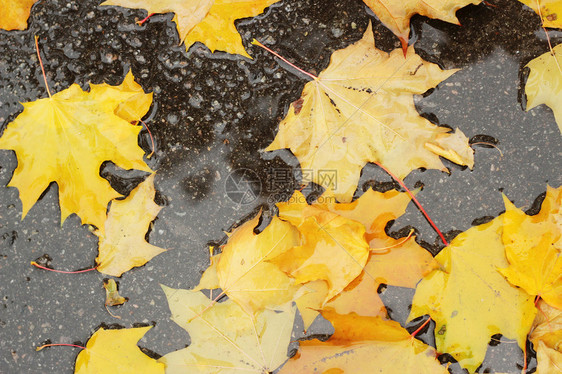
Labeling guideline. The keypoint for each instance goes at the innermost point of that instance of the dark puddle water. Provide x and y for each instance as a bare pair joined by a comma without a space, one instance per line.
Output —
212,116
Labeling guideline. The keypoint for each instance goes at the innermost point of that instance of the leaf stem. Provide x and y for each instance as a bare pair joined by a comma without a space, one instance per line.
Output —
57,345
256,42
416,202
413,335
524,370
111,314
488,144
141,22
385,250
404,44
151,138
213,302
42,67
315,78
62,271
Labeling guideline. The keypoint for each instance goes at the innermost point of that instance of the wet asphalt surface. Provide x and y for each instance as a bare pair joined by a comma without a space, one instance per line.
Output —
212,116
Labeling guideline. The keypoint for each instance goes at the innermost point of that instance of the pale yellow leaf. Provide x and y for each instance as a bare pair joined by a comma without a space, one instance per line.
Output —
244,271
547,326
544,84
361,109
549,361
224,338
122,244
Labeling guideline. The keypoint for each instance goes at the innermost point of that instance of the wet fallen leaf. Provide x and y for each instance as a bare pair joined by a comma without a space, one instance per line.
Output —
15,14
396,14
549,361
244,272
361,109
545,81
547,326
547,338
373,209
550,11
116,351
225,339
402,266
469,300
253,281
122,243
397,262
310,300
187,14
532,247
66,138
333,247
210,22
112,297
364,345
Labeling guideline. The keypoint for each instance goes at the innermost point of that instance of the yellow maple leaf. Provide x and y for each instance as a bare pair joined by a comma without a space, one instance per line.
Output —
15,14
469,300
249,262
361,109
333,248
544,83
532,247
396,14
397,262
210,22
66,138
310,299
243,270
122,245
373,209
550,11
549,361
403,266
364,345
546,336
224,338
116,351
